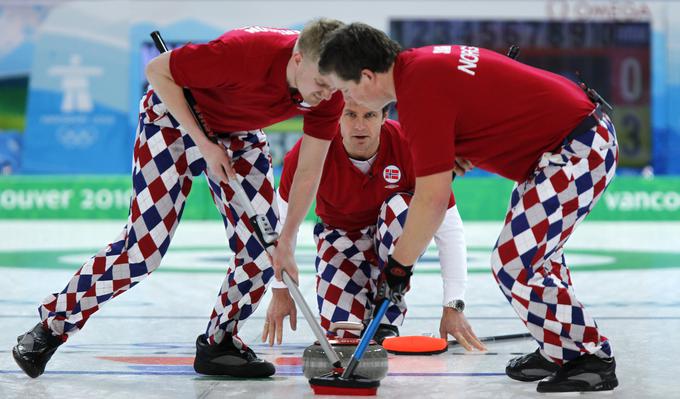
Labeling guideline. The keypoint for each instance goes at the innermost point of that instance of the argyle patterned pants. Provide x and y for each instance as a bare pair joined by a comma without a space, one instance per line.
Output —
528,260
165,162
348,265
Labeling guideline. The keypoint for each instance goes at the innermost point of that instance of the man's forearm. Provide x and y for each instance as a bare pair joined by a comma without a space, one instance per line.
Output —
425,214
282,205
302,191
304,186
450,240
158,75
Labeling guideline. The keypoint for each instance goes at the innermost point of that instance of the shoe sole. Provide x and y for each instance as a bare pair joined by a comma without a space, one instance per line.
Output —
245,371
608,385
525,378
31,372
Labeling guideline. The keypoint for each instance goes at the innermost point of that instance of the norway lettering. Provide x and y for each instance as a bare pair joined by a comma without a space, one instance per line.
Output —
469,56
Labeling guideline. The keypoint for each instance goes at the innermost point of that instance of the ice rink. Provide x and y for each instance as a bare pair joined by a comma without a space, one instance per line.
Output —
141,344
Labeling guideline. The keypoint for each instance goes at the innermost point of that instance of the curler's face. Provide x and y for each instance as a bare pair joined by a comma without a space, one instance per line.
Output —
360,129
313,86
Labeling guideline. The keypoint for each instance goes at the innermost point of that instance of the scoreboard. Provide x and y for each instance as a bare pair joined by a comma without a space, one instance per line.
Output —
612,57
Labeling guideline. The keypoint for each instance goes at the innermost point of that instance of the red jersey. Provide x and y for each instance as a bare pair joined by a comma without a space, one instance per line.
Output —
239,82
347,198
482,106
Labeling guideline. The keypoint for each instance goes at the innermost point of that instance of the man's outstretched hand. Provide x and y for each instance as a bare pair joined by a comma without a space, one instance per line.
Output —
281,305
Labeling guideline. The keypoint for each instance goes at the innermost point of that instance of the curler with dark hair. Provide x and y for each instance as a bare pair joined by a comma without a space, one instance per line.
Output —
354,47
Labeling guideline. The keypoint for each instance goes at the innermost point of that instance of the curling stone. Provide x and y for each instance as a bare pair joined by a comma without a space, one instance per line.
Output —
373,365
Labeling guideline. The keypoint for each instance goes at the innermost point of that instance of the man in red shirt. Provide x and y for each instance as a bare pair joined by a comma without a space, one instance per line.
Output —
529,125
243,81
362,202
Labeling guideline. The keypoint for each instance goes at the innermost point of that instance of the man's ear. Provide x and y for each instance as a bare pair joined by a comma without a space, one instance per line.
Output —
368,75
297,58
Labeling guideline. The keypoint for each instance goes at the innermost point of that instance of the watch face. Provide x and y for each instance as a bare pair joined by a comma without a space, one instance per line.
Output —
456,304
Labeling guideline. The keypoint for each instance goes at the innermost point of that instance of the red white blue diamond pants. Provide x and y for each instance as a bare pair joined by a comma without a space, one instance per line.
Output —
165,162
348,265
528,260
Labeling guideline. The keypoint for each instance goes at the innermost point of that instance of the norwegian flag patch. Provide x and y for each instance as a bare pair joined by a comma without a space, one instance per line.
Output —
392,174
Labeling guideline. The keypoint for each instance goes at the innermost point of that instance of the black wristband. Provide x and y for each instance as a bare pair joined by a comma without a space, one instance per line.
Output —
393,265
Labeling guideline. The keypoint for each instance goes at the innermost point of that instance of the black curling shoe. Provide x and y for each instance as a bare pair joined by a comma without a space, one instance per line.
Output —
226,359
530,367
34,349
583,374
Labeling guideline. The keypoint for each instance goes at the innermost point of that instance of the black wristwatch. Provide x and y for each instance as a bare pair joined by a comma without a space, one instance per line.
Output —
457,304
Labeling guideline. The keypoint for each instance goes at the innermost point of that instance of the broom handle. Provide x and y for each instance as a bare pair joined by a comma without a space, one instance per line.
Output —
366,339
497,338
311,320
294,290
292,286
258,223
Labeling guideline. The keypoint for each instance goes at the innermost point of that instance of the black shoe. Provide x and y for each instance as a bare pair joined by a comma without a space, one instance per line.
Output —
585,373
385,331
34,349
225,359
530,367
